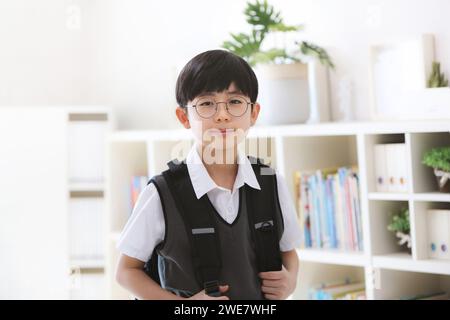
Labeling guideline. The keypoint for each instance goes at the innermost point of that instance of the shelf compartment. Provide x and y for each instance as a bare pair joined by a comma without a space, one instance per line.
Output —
424,179
86,140
317,152
384,241
395,284
419,226
127,159
312,273
369,145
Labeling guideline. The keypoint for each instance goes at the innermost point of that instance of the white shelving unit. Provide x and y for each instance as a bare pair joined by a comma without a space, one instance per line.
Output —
388,272
35,233
87,182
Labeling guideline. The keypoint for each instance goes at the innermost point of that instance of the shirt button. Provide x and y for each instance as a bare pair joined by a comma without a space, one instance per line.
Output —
229,209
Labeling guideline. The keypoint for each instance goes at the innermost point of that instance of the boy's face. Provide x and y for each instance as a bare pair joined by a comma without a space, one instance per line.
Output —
221,128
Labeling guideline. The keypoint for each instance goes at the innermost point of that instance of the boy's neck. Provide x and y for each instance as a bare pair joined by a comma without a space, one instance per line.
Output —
225,167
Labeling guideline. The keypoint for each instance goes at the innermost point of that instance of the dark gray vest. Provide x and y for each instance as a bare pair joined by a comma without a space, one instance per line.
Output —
239,269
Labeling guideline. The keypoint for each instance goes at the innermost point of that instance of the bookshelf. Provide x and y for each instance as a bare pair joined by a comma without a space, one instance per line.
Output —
37,170
88,129
388,271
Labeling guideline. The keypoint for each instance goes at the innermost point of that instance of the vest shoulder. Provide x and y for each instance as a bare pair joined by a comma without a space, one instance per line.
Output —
156,179
257,161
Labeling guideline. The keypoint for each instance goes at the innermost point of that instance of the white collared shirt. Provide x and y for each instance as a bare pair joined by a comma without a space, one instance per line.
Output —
146,227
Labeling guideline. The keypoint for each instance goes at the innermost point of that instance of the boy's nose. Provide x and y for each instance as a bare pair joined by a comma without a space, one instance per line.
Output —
222,113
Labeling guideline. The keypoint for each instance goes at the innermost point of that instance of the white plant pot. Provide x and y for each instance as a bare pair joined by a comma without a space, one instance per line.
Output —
292,93
427,103
437,102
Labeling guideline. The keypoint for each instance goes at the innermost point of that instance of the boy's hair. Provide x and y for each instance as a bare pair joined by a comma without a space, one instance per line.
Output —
214,71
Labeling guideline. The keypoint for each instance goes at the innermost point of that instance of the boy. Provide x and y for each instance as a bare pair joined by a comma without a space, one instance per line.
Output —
216,93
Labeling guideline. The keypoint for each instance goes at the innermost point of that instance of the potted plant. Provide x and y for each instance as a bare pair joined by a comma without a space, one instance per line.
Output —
400,225
289,78
439,160
436,79
437,93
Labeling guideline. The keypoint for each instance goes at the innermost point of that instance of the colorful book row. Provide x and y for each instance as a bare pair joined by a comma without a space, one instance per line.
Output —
329,209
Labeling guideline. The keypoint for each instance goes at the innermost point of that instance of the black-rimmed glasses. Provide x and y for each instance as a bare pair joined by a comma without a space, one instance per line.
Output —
207,107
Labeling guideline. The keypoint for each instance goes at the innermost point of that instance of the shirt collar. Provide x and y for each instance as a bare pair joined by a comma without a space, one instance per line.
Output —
203,183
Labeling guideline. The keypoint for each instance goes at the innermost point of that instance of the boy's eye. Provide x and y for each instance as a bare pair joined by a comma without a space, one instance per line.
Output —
206,103
236,101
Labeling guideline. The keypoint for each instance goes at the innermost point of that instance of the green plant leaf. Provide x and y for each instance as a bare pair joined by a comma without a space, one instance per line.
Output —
400,221
281,27
244,45
262,15
272,55
436,78
438,158
315,51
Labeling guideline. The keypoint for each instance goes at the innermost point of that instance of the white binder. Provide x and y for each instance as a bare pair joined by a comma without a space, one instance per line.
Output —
401,166
380,168
439,234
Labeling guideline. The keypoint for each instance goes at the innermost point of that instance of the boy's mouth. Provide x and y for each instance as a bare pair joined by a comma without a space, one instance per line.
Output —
225,131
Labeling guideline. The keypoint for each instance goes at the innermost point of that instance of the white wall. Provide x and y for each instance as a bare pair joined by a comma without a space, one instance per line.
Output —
127,53
45,58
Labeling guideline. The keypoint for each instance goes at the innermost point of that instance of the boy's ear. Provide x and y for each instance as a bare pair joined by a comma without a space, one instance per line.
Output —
183,117
255,113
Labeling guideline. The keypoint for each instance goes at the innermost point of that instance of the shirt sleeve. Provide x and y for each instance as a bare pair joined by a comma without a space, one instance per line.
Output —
291,237
145,228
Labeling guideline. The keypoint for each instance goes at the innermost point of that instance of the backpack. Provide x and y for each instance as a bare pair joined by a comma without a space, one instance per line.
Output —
261,208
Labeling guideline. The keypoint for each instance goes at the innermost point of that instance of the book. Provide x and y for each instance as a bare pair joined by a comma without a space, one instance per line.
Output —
329,208
355,295
342,289
313,291
306,212
298,205
322,211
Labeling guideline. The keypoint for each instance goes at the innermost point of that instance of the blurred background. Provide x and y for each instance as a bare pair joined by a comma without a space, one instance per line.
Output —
128,54
78,74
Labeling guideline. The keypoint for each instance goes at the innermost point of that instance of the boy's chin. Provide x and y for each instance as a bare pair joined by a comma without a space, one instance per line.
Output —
222,141
219,146
219,155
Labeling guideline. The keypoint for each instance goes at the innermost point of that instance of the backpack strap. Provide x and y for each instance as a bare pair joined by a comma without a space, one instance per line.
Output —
262,208
151,267
200,227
